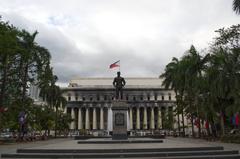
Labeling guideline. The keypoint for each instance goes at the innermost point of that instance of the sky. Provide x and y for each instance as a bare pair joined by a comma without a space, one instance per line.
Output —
86,36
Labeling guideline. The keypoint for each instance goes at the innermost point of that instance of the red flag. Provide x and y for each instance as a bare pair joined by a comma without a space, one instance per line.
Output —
2,109
207,125
237,119
115,64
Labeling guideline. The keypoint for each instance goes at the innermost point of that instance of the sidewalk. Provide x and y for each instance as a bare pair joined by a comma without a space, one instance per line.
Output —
227,146
70,143
12,147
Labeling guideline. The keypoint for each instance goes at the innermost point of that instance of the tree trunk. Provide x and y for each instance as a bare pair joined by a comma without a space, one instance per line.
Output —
199,128
193,134
56,115
25,80
179,126
222,123
213,128
183,123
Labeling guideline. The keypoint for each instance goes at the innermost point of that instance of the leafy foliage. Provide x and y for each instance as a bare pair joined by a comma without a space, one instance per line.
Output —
24,62
236,6
207,87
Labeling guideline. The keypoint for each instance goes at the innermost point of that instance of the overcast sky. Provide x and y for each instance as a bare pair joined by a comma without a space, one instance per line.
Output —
86,36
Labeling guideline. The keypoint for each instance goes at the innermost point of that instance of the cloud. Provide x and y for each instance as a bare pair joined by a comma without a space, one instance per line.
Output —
86,36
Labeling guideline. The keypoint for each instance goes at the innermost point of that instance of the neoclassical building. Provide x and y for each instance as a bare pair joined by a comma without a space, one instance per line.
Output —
150,106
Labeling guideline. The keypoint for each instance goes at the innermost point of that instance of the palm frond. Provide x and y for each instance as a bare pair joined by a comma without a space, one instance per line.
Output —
236,6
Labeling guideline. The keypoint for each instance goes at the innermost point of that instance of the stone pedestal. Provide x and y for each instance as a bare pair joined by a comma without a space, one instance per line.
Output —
119,110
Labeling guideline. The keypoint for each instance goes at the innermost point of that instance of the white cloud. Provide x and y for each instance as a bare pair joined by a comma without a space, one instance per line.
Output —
85,36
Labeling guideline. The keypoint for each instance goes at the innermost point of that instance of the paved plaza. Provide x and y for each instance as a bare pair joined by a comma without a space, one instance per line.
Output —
70,143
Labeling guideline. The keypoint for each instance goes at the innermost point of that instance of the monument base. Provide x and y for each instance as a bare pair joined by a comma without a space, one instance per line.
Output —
119,109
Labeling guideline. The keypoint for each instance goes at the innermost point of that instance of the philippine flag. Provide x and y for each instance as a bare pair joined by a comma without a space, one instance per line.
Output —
115,64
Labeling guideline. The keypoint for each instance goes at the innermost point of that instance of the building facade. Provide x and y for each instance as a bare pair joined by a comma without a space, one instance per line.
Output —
89,101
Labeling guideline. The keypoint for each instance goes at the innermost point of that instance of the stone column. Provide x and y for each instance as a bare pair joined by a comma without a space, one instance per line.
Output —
94,119
87,119
72,126
65,110
60,107
159,125
130,119
166,112
138,119
110,120
80,125
145,118
152,124
101,119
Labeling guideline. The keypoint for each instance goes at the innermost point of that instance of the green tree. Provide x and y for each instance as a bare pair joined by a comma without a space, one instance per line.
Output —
236,6
22,62
173,78
196,64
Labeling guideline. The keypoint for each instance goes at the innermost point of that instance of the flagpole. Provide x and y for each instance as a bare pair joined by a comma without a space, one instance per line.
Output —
119,65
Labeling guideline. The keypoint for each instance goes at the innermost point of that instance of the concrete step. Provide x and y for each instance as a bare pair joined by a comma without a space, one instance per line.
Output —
119,150
119,141
235,156
122,155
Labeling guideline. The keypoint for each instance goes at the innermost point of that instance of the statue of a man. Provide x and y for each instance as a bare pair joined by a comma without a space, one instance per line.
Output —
119,83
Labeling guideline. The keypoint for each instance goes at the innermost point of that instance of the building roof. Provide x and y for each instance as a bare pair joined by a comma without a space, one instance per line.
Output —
131,82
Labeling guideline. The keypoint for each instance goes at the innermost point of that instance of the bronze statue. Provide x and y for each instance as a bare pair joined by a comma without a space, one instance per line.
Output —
119,83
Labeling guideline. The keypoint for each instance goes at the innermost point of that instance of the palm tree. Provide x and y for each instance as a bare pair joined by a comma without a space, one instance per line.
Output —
195,65
27,60
236,6
174,79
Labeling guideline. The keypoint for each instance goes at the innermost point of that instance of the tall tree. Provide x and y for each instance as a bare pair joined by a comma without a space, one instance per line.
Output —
236,6
193,74
173,78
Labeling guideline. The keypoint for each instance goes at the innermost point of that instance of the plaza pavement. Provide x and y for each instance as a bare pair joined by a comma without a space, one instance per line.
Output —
70,143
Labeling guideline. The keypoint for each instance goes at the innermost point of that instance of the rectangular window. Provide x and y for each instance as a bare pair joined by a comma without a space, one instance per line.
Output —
69,98
76,98
162,97
148,97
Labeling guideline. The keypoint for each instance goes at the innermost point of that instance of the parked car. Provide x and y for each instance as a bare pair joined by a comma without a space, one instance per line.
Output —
6,134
